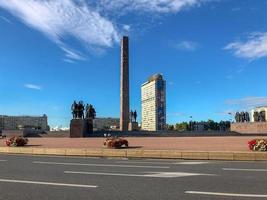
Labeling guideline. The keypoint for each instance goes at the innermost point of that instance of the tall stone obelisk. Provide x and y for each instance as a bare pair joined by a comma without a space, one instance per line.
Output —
124,87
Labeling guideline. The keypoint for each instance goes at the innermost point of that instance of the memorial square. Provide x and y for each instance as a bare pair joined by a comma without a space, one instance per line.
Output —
111,99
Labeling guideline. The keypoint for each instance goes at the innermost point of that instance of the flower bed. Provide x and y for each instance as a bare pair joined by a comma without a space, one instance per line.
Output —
16,141
116,143
258,145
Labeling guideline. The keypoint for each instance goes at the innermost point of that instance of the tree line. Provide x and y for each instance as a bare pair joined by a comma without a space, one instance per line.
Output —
209,125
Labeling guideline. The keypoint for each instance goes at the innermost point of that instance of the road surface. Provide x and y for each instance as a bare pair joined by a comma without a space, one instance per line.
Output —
75,178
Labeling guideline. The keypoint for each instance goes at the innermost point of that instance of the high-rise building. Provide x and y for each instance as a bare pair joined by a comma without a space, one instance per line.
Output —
153,98
124,87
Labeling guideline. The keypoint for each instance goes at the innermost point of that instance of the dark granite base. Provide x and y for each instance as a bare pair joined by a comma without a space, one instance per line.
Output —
81,128
250,128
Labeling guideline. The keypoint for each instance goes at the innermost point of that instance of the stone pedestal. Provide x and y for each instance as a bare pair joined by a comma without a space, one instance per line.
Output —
81,128
250,127
133,126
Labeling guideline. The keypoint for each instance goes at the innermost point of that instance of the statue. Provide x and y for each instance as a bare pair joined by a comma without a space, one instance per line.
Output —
82,123
242,117
135,115
237,117
77,110
247,117
131,116
262,117
87,111
90,112
256,116
74,110
80,110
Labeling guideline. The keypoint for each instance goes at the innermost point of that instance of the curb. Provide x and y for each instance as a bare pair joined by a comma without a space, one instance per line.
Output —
140,153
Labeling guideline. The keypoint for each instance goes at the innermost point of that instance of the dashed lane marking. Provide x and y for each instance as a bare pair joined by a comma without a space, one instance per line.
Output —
150,175
47,183
227,194
191,163
240,169
101,165
163,163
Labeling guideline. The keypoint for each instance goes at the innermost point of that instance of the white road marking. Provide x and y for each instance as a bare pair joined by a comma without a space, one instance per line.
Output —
47,183
191,163
175,174
3,160
163,163
152,174
104,174
239,169
100,165
227,194
145,162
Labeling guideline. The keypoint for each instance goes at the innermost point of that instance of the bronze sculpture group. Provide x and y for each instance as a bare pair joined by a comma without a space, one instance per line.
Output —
259,116
133,116
79,108
241,117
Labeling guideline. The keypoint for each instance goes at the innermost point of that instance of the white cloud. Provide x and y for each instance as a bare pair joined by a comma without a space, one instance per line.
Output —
72,54
126,27
248,102
68,60
93,23
255,47
186,45
32,86
60,19
160,6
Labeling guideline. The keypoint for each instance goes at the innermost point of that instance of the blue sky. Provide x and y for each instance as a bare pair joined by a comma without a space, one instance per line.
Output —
212,53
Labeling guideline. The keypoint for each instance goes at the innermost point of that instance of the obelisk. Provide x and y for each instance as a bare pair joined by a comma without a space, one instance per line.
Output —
124,85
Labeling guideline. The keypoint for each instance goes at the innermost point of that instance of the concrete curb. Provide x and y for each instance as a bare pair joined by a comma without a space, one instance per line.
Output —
140,153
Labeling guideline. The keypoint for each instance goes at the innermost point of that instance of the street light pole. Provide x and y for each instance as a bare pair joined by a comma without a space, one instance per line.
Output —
191,123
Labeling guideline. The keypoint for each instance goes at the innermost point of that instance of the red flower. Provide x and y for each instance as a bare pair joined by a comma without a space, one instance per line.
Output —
252,143
258,145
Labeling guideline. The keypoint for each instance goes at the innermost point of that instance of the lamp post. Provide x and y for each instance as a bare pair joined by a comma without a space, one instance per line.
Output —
231,119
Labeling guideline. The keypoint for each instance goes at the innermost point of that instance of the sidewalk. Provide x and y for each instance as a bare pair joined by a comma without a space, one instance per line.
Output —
218,148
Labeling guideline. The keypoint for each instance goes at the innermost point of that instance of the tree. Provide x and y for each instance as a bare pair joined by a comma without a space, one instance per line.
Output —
183,126
170,127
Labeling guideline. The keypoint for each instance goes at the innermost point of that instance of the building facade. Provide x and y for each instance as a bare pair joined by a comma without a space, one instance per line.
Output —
106,123
20,122
153,97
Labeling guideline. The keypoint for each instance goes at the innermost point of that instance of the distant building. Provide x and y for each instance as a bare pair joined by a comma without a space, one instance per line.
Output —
22,122
106,123
153,97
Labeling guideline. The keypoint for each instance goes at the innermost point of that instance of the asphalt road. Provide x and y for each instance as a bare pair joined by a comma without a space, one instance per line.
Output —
73,178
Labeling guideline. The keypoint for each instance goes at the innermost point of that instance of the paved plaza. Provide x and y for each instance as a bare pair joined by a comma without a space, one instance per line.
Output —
220,143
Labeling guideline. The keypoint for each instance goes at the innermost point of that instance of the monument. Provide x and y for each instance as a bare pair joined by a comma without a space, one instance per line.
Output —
254,123
124,85
133,125
81,124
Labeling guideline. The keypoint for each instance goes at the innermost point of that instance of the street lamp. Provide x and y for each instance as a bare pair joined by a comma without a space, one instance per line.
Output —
231,119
